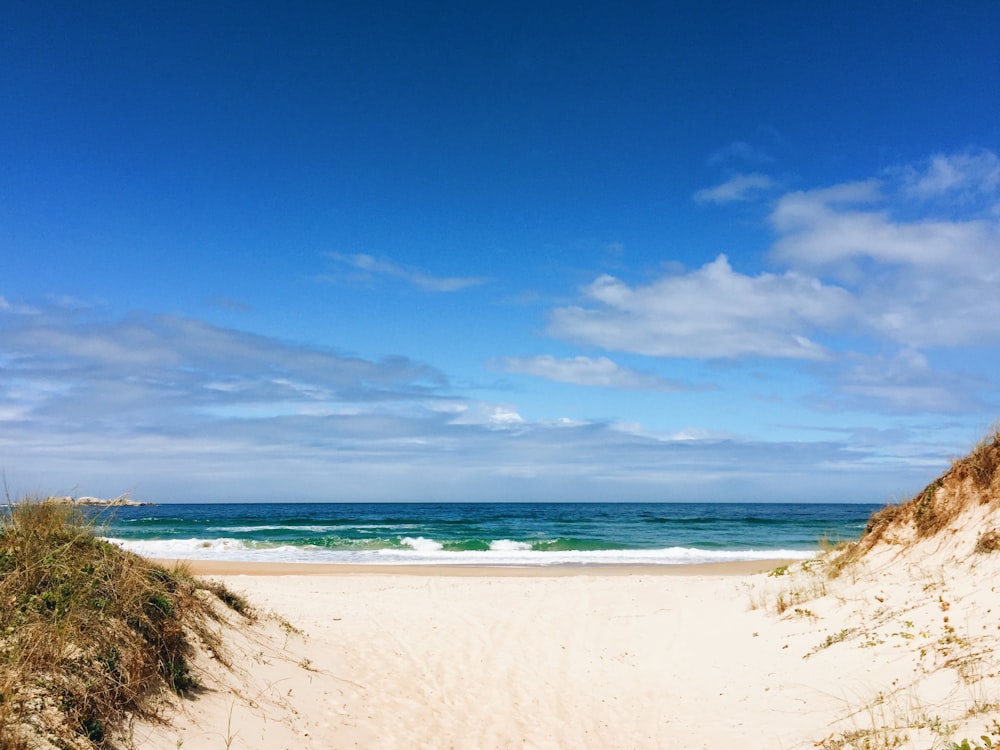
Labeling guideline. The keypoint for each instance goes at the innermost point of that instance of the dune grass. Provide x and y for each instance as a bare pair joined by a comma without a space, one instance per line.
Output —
90,635
975,476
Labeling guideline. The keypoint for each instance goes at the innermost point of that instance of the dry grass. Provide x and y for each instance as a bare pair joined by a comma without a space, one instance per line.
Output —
988,541
842,558
982,464
974,478
90,635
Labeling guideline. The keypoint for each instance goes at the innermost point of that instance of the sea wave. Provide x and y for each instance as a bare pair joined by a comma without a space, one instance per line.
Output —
421,544
315,528
509,545
423,551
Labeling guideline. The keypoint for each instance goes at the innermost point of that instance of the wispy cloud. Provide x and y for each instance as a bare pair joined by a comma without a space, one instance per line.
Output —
904,383
829,229
874,286
739,188
19,309
164,369
967,174
600,372
370,267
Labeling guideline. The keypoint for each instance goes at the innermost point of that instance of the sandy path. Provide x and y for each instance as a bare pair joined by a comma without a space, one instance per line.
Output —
578,661
595,659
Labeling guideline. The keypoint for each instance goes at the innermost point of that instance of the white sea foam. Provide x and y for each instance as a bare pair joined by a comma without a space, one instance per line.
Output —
321,529
419,544
508,545
422,551
254,528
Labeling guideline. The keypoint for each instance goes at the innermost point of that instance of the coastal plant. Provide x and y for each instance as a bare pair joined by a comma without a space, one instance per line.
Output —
988,541
882,520
832,638
799,583
880,734
982,464
236,602
987,744
844,557
90,635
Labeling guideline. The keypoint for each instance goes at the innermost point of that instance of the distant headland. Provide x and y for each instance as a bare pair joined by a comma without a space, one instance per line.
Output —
113,502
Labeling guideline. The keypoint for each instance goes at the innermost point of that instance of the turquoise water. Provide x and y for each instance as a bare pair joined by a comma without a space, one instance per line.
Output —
484,533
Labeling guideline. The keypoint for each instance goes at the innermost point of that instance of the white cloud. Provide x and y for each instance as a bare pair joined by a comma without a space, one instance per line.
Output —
505,417
903,383
923,281
374,267
699,434
739,188
821,229
712,312
967,174
600,372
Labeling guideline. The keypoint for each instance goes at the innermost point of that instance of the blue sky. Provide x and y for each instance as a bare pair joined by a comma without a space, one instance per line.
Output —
485,251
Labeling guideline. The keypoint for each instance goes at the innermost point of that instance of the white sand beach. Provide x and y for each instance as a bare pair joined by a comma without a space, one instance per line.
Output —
603,658
432,659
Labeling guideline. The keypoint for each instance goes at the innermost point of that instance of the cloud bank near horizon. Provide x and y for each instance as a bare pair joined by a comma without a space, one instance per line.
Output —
202,412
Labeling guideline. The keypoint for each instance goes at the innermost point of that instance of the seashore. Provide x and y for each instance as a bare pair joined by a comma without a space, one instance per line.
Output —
603,657
891,641
433,656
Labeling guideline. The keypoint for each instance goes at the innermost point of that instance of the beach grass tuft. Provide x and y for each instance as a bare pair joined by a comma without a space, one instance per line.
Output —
988,541
90,635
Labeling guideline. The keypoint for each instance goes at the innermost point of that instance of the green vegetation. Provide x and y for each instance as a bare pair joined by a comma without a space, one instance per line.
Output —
986,741
986,744
90,635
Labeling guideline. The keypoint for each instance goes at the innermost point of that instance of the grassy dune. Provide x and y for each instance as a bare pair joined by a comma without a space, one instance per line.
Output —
918,595
90,635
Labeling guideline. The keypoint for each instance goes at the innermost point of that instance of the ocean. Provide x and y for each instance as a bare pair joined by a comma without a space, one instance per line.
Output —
511,534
